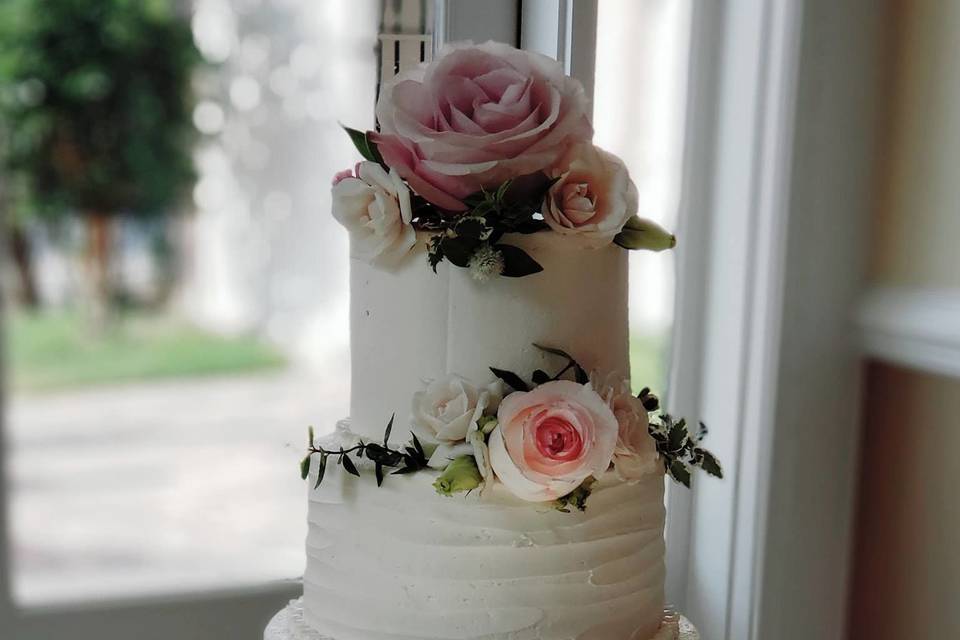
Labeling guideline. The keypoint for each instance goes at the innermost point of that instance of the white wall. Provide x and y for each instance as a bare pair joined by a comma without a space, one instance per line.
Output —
906,565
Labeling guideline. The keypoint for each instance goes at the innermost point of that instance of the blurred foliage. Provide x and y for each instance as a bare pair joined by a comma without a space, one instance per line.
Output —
95,105
57,350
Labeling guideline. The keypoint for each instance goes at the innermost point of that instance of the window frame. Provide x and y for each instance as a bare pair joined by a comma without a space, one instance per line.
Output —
770,81
764,341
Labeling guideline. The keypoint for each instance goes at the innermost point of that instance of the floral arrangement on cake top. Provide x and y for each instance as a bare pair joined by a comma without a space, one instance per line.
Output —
544,441
484,141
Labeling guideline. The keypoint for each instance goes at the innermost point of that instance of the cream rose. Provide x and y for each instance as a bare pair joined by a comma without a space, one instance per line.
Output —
593,196
446,411
636,452
551,439
476,116
374,206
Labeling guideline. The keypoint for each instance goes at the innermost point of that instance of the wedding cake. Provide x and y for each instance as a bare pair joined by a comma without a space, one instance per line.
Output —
499,477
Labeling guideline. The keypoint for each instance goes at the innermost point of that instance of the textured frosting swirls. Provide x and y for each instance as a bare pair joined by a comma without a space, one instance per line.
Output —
399,562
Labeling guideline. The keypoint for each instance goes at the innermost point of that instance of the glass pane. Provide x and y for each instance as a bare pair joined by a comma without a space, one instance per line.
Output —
155,423
639,109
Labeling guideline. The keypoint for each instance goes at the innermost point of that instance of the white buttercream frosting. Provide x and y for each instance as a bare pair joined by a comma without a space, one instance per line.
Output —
411,324
400,562
289,624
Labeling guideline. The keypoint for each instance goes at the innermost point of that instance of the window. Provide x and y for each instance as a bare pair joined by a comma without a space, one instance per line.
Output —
134,493
153,451
639,115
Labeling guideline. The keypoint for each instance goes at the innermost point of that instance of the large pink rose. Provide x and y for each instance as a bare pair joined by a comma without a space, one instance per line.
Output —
551,439
476,116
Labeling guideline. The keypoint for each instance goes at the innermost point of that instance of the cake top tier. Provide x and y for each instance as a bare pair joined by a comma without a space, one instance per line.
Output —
485,140
508,362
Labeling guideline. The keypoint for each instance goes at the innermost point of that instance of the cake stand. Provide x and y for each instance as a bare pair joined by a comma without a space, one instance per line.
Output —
289,625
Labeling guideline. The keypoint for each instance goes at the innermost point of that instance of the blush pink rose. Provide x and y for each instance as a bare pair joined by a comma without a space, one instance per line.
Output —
476,116
551,439
593,196
635,455
340,176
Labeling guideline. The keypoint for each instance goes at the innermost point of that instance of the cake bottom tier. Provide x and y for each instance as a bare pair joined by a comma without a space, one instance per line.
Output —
400,562
289,624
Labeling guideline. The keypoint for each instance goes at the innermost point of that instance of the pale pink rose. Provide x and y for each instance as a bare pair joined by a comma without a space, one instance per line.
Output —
346,173
446,409
636,452
552,438
593,197
476,116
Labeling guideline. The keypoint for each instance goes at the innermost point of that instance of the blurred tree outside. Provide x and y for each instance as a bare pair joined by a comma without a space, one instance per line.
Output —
95,120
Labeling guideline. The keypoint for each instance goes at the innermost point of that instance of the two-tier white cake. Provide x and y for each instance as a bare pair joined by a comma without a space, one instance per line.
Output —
517,493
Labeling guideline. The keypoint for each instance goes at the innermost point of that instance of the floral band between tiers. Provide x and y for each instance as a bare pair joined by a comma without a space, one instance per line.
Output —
546,441
484,141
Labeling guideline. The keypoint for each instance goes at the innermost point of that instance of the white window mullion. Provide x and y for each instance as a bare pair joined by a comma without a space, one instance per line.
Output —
693,229
732,373
456,20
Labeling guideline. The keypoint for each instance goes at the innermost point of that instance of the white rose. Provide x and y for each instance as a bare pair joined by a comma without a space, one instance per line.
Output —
446,411
636,452
593,196
375,208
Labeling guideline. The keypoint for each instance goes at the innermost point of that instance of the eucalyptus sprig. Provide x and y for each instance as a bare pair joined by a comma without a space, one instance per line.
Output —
680,450
408,459
540,376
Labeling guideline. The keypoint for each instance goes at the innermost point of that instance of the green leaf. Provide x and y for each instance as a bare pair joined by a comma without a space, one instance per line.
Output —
305,467
579,373
419,447
379,473
517,263
310,435
680,473
383,455
512,379
502,190
321,469
348,465
576,498
540,377
435,252
404,471
554,351
640,233
678,436
386,433
458,250
702,432
473,228
361,140
710,464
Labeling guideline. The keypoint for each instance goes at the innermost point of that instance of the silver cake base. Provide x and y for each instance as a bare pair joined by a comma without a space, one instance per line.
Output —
289,625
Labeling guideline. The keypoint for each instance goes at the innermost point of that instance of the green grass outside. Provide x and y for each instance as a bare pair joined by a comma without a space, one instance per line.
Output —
648,361
50,351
